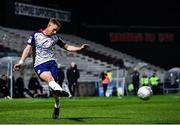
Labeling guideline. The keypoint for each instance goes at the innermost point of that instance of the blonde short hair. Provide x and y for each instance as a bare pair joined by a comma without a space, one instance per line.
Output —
55,21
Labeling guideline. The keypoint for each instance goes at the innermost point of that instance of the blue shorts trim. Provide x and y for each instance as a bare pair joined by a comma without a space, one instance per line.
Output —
47,66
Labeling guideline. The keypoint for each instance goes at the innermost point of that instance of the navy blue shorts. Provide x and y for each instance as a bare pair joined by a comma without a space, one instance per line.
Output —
47,66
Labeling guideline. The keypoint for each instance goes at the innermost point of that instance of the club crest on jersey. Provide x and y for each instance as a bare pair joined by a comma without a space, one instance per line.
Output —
39,71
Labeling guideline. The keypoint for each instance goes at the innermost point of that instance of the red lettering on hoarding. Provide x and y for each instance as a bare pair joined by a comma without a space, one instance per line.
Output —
126,37
166,37
141,37
149,37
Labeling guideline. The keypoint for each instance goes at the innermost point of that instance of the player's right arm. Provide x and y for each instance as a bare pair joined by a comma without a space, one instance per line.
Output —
25,54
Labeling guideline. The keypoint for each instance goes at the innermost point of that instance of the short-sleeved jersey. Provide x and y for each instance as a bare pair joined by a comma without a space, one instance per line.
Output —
44,47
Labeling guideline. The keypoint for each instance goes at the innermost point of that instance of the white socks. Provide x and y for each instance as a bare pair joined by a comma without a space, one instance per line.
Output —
53,85
56,106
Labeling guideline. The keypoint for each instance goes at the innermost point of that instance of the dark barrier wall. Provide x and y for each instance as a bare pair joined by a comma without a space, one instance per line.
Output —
2,9
86,89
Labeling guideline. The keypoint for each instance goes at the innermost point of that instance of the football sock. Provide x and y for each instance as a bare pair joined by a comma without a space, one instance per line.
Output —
57,104
54,86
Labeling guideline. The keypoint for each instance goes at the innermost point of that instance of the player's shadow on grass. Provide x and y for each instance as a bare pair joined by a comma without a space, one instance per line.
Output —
81,119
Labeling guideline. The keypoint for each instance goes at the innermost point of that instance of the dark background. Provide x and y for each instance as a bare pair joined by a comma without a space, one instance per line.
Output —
95,19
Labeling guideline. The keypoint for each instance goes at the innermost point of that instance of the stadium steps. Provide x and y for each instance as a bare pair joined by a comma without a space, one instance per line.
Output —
106,53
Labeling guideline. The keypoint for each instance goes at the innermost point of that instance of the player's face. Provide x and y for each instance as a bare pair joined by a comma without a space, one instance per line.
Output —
52,29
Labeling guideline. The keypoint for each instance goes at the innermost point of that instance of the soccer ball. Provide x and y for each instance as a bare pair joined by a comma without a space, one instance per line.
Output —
144,92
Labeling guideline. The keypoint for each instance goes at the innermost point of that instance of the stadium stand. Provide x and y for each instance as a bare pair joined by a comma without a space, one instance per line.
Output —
91,62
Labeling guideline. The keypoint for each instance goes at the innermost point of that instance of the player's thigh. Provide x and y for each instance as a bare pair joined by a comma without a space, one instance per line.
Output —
46,76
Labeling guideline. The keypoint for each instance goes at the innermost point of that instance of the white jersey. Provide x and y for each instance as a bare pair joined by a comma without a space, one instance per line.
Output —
43,47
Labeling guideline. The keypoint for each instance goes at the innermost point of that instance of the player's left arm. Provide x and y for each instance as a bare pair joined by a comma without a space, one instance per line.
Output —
71,48
75,48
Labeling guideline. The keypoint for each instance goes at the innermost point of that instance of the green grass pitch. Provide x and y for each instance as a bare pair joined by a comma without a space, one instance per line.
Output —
93,110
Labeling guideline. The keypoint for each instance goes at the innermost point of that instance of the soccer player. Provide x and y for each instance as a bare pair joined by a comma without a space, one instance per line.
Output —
42,44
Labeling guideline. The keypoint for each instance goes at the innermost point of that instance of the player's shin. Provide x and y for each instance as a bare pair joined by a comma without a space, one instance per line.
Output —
54,86
57,90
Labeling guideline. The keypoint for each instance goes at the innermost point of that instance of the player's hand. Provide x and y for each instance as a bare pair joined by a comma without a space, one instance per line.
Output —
17,67
84,46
